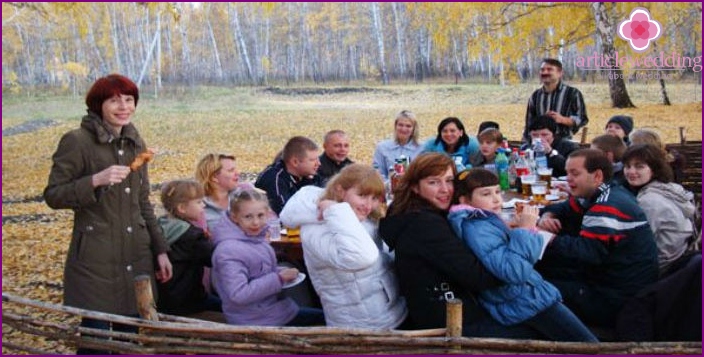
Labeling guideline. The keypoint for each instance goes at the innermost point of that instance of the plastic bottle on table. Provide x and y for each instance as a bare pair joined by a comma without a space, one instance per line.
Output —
458,163
399,170
512,160
522,166
541,159
502,168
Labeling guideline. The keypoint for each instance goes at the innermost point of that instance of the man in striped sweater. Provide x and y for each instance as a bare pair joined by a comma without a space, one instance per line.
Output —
604,251
564,104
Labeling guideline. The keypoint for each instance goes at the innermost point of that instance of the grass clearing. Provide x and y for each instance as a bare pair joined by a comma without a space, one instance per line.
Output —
253,123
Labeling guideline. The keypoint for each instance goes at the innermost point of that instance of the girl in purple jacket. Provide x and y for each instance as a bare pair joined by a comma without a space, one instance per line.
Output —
245,273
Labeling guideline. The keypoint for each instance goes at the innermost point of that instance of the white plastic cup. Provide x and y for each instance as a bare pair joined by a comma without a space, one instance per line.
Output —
274,229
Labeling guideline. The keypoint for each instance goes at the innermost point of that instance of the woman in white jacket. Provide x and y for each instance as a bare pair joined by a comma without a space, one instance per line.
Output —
348,265
669,207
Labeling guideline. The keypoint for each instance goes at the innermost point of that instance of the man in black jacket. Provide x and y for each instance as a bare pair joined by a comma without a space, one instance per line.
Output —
336,147
297,167
557,149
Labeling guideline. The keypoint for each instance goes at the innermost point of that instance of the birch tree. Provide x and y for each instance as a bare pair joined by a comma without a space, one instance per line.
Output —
239,37
604,29
379,36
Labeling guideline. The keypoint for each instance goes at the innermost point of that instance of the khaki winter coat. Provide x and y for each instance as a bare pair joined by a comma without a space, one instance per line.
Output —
115,232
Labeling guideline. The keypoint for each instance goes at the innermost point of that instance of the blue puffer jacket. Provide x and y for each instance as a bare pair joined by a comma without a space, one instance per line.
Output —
465,150
509,254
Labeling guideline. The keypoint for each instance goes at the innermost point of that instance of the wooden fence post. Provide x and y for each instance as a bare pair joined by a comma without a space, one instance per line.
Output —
584,135
145,298
454,318
683,139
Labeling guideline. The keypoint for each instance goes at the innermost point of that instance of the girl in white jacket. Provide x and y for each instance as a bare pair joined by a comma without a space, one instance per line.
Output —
348,266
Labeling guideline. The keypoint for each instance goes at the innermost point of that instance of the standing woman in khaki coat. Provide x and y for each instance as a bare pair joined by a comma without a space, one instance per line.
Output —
115,232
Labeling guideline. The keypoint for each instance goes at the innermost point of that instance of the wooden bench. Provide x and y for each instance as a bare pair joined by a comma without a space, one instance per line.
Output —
692,152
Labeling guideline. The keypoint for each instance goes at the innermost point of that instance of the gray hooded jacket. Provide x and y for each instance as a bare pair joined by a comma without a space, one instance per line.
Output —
670,210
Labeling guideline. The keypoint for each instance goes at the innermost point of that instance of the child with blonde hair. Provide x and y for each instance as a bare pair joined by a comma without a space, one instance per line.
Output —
509,254
245,272
190,250
350,269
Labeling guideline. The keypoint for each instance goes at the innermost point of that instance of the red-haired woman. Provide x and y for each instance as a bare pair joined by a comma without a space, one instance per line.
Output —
115,236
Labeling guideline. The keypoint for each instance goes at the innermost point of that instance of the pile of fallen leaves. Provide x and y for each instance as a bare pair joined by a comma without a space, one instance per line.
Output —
253,124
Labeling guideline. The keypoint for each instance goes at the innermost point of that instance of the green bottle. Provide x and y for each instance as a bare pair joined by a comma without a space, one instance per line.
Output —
501,163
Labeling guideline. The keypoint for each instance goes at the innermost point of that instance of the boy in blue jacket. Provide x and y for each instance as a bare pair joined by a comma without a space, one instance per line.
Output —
509,254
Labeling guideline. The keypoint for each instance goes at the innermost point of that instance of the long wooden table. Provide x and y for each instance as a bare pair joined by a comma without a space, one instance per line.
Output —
288,248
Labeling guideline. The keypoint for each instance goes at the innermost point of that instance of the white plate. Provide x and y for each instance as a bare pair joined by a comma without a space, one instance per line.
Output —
552,197
512,203
299,279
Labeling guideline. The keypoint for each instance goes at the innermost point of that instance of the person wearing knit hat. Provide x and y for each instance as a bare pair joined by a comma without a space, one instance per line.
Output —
620,126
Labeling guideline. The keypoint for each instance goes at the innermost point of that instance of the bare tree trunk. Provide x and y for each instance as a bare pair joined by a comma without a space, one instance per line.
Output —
168,49
661,74
185,73
502,79
148,58
291,74
352,62
400,39
617,86
458,66
158,55
213,42
301,34
130,61
420,70
308,55
428,53
267,51
379,35
239,37
97,55
115,38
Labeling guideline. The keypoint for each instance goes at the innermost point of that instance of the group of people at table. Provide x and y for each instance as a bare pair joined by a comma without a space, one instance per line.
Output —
626,222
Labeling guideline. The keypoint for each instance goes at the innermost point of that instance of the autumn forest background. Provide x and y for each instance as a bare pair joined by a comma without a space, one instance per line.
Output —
242,78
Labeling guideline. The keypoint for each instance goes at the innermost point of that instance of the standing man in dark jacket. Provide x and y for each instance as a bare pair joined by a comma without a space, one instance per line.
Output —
613,257
562,103
297,167
336,147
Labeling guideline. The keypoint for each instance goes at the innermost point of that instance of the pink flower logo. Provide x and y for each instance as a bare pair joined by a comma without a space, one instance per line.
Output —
639,29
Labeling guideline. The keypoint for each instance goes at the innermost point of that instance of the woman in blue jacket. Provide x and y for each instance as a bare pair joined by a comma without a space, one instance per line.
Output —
509,254
453,140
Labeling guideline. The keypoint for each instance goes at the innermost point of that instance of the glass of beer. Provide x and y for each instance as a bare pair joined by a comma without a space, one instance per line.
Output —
539,189
293,233
545,174
526,182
